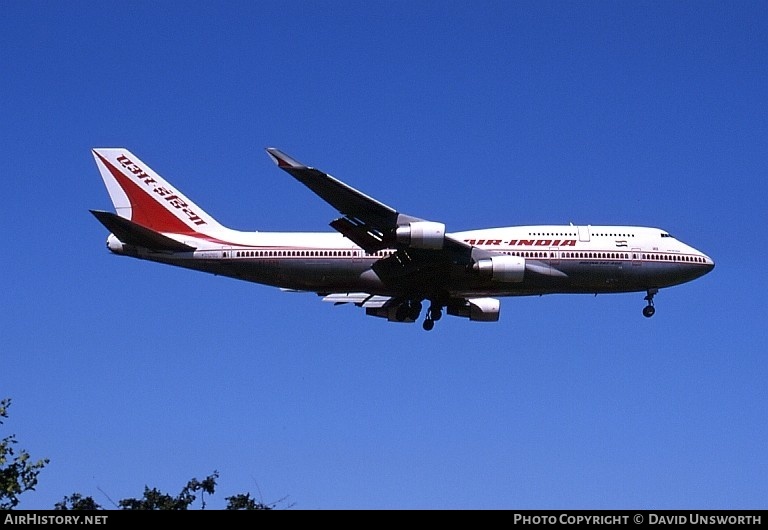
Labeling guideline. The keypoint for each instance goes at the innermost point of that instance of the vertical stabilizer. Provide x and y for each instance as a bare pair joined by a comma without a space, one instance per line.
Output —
145,198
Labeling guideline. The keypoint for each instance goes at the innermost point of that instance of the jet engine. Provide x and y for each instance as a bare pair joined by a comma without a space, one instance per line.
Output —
476,309
390,313
501,268
421,234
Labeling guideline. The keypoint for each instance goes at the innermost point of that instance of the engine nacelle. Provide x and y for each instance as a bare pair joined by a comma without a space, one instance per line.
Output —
390,313
501,268
421,234
477,309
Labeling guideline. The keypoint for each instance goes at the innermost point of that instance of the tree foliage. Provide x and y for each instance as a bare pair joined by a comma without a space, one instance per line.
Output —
77,502
246,502
154,499
17,472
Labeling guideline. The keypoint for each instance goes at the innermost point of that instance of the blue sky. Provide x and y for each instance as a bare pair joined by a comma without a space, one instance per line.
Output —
127,373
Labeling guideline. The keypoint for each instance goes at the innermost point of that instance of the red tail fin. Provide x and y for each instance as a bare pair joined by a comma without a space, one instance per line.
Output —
145,198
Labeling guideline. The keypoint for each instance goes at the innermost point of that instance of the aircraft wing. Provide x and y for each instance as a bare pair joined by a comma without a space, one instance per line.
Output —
367,222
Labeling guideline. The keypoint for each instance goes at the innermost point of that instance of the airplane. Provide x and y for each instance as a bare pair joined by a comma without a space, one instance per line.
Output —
383,260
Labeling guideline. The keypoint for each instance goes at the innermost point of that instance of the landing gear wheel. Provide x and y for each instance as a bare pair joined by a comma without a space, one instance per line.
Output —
435,313
649,310
428,324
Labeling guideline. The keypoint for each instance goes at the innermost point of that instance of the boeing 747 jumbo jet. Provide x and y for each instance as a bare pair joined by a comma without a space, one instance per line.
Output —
383,260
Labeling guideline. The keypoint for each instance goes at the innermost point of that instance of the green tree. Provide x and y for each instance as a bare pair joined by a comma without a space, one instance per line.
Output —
17,473
246,502
77,502
154,499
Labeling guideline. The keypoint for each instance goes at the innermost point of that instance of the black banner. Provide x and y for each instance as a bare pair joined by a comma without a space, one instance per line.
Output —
510,517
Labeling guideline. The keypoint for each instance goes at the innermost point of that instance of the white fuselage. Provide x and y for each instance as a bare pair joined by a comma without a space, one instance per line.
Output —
558,259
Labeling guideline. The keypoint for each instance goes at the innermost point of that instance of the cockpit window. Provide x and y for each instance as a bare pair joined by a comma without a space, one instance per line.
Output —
664,234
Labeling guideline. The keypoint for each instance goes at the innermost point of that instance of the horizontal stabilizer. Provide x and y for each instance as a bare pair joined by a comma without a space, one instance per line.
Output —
134,234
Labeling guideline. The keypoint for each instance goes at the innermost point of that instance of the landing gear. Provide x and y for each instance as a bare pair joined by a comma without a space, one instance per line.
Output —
434,313
410,310
649,310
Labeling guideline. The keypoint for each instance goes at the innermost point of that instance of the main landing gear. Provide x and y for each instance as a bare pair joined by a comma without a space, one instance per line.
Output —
649,310
434,313
411,309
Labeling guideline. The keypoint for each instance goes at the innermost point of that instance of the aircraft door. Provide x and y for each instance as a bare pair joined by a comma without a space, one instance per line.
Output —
554,257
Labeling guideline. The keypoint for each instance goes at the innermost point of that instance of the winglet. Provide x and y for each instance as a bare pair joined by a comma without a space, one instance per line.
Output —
282,160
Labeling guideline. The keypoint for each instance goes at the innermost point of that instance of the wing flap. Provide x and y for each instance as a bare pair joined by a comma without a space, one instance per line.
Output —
359,299
365,237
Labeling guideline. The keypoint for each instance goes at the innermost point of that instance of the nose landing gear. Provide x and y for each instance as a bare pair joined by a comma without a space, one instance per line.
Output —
649,310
